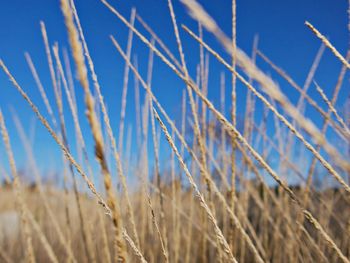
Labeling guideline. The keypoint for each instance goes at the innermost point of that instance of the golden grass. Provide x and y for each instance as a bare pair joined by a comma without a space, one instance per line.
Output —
211,200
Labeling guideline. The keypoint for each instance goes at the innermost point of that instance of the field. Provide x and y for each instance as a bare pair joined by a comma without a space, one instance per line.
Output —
218,182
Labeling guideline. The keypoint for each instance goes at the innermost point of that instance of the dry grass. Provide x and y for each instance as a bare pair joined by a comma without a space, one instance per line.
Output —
219,197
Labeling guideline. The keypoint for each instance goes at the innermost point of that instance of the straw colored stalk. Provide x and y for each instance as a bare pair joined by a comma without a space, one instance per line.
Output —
49,58
69,76
125,84
328,44
234,120
155,222
133,246
332,109
41,88
77,51
117,158
250,100
128,150
223,132
137,105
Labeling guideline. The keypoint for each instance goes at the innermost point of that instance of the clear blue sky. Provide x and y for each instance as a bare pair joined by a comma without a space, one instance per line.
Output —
279,24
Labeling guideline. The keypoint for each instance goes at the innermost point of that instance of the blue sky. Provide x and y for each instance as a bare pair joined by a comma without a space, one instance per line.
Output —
279,24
